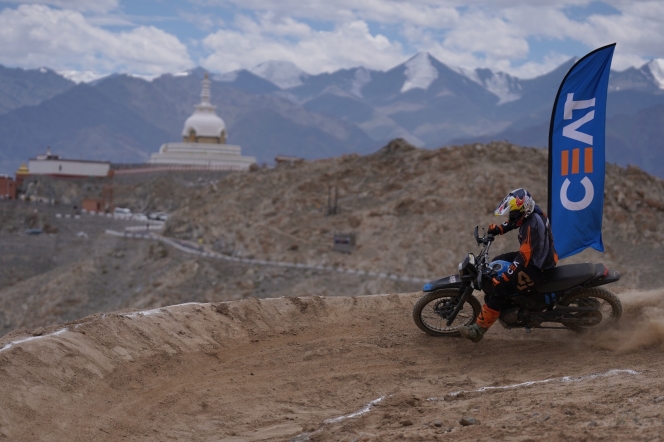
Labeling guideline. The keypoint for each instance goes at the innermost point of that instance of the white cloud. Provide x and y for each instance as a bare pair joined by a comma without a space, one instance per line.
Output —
521,37
205,22
498,38
637,29
493,36
37,35
253,42
531,69
467,33
430,13
76,5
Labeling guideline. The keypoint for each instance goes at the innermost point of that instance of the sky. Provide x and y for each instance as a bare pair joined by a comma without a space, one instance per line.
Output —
525,38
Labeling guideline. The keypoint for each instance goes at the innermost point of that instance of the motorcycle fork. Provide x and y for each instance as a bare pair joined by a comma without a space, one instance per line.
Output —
467,293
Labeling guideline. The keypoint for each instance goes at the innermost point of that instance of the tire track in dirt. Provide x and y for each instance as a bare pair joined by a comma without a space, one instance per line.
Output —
308,368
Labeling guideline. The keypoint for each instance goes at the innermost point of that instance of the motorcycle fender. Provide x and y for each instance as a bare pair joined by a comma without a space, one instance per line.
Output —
603,275
449,282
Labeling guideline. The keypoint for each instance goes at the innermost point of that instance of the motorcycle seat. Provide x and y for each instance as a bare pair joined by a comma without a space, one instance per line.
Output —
564,277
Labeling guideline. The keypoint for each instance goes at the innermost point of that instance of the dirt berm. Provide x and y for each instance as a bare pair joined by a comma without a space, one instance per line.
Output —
338,368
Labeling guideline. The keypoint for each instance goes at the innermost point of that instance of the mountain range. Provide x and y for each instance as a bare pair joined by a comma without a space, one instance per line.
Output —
276,108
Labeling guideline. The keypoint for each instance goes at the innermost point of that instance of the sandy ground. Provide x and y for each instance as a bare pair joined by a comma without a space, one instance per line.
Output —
322,369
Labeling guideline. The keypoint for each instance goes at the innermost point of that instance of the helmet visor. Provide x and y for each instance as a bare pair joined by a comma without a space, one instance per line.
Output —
504,206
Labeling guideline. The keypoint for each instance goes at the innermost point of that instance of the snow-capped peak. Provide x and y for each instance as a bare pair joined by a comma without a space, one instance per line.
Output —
282,73
420,73
656,67
361,78
81,76
502,85
227,77
144,77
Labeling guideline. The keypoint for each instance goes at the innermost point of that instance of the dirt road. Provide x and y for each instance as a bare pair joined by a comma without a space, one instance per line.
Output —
323,369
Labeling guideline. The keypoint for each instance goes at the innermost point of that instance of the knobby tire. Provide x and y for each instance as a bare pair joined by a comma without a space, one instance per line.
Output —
429,298
598,293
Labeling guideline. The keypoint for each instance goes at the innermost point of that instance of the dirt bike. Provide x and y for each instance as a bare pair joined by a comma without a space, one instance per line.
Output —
569,297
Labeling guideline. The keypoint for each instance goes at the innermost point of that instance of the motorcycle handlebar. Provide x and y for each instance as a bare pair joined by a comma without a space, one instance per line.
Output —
486,239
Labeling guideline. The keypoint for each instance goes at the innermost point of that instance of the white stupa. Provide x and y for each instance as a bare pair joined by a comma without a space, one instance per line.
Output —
203,141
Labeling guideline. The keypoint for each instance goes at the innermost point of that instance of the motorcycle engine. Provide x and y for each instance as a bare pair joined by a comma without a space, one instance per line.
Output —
510,316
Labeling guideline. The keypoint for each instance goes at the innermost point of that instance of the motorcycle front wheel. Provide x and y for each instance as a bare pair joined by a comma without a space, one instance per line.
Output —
431,311
608,308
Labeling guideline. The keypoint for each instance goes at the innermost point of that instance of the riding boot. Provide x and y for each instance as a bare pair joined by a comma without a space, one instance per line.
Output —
485,320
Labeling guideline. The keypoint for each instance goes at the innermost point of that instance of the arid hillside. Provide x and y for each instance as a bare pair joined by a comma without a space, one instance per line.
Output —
77,270
412,210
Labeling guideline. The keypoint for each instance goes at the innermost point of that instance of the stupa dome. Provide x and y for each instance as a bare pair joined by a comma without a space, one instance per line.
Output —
204,123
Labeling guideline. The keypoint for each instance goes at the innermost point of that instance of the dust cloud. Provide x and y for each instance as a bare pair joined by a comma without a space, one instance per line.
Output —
641,325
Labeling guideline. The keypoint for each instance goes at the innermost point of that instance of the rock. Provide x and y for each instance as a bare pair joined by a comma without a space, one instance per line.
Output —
398,145
657,400
413,401
406,422
465,421
437,423
222,308
246,284
38,332
544,418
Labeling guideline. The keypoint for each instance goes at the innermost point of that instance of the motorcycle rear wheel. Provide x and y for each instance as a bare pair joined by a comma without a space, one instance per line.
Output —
429,312
607,304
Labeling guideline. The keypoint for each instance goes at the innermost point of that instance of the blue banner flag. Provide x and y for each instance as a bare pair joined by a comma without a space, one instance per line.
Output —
576,154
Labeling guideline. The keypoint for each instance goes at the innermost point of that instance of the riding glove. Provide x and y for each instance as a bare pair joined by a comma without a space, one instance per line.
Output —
494,230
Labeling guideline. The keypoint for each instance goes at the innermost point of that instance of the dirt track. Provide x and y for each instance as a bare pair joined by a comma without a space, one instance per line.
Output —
296,368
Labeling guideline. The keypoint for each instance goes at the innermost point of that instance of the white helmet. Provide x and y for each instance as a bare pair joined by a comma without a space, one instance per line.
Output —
519,204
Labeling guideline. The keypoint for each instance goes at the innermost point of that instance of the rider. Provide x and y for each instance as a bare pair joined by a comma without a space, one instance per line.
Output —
535,255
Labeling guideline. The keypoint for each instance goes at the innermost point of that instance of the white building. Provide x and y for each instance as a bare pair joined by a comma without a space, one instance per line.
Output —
53,165
203,141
